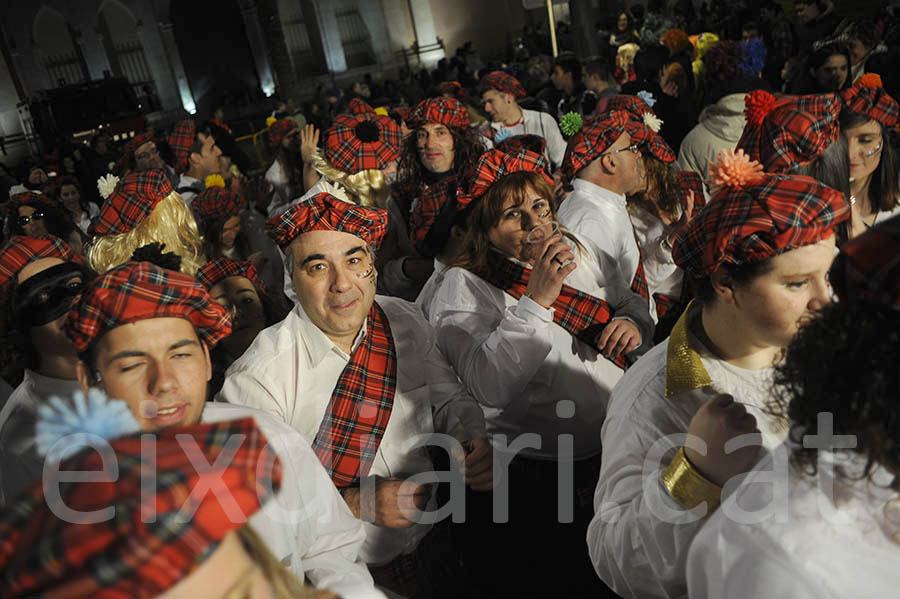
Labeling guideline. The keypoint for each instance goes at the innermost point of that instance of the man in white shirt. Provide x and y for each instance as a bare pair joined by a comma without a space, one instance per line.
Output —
757,256
45,281
363,381
143,334
196,157
607,164
499,93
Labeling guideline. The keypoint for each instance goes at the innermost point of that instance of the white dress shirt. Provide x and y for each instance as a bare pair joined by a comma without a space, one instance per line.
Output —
195,185
639,537
663,276
307,525
543,125
813,545
291,370
527,372
600,217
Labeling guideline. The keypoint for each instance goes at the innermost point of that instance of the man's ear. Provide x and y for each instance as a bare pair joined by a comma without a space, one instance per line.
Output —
723,286
208,361
85,377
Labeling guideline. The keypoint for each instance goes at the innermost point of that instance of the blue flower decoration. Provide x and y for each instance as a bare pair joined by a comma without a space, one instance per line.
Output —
647,97
78,421
753,56
501,134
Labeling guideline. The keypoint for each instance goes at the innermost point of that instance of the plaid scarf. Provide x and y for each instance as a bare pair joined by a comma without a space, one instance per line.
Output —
639,283
360,405
583,316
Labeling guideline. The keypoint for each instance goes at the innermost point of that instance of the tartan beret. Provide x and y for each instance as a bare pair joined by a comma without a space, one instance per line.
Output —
130,148
494,165
526,141
136,291
134,198
280,128
215,271
875,103
360,142
36,200
400,111
324,212
358,106
180,141
453,89
868,268
750,224
593,139
440,201
644,125
156,535
214,203
503,82
21,250
445,111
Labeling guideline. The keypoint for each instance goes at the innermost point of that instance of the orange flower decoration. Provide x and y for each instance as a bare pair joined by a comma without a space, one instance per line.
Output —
734,169
869,80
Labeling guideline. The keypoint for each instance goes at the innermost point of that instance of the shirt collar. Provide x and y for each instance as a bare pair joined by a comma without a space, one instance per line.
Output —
317,343
593,190
684,368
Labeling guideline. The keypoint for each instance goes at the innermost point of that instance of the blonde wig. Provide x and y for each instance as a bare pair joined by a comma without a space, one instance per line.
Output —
170,223
284,583
368,187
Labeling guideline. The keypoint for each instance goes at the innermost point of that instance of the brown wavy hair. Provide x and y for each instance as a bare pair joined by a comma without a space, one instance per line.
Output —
467,147
666,191
485,213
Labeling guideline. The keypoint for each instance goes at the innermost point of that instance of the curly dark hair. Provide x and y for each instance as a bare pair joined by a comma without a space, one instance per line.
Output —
845,363
667,190
467,147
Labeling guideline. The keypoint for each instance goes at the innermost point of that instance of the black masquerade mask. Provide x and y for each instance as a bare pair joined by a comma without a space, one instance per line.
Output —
49,294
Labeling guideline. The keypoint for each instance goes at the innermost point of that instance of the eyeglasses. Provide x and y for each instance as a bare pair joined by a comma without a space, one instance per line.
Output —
24,220
632,148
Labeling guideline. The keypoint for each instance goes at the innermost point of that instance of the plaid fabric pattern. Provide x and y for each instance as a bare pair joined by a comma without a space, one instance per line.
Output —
533,143
874,103
453,89
36,200
137,291
215,203
133,200
791,138
130,148
324,212
747,226
505,83
279,129
691,181
446,111
494,165
360,405
357,106
432,216
592,140
868,268
583,316
633,105
348,147
665,304
639,282
216,271
22,250
180,141
138,553
640,132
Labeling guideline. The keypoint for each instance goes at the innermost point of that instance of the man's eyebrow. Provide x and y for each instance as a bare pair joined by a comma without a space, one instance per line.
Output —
359,248
312,257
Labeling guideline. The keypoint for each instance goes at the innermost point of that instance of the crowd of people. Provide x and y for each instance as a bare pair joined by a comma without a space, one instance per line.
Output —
623,325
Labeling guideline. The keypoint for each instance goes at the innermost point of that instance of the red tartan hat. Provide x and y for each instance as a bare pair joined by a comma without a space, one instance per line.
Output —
874,103
402,111
644,125
216,271
358,106
180,141
22,250
593,139
36,200
446,111
137,291
280,128
505,83
133,200
154,536
494,165
526,141
868,268
214,203
324,212
360,142
454,89
750,224
130,148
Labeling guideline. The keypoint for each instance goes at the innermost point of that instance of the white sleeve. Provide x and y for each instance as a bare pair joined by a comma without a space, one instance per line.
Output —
556,145
496,358
639,537
246,388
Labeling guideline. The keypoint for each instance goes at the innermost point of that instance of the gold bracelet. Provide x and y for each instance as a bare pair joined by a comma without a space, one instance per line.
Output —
688,487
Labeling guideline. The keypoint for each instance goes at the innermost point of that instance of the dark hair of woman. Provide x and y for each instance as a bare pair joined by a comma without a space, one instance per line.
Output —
55,220
211,231
485,213
663,181
741,276
844,362
831,168
467,147
884,186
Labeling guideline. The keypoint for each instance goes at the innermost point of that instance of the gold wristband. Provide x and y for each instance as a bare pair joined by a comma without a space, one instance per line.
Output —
688,487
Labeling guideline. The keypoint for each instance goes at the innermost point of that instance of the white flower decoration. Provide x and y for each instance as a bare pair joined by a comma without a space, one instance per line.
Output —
652,121
79,421
107,184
